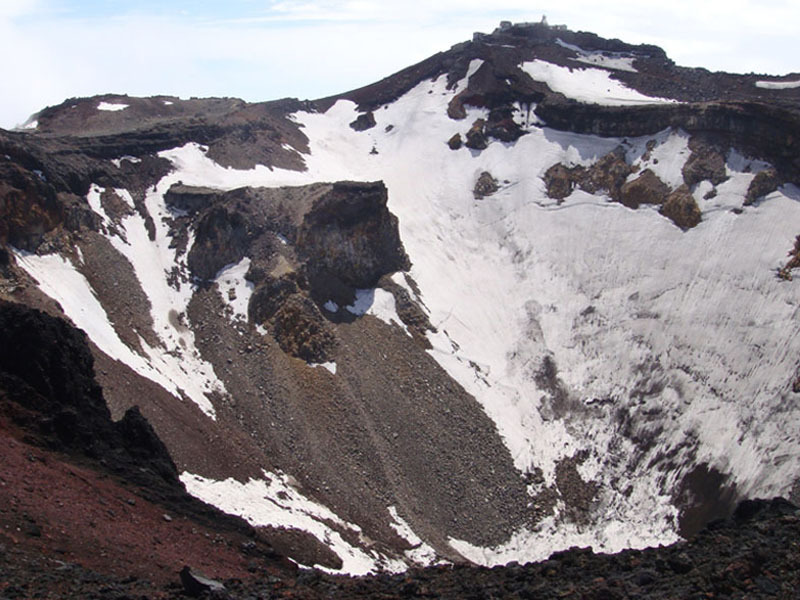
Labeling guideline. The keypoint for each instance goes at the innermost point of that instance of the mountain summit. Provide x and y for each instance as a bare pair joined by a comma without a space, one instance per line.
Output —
531,293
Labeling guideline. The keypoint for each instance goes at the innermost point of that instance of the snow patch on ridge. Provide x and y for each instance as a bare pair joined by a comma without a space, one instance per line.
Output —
592,86
378,303
112,106
778,85
274,502
607,60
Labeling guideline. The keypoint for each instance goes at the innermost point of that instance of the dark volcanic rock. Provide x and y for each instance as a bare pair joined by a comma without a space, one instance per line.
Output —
222,238
647,188
47,368
486,185
364,121
559,181
476,136
765,182
706,163
681,207
761,129
349,237
455,142
190,198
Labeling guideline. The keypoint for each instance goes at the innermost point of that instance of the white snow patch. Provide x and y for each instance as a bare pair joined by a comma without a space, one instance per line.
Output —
666,160
274,502
330,366
117,162
420,553
331,306
778,85
549,536
168,102
234,288
592,86
30,124
378,303
112,106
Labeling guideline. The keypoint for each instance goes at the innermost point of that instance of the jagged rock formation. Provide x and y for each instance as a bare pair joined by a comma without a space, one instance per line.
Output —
394,353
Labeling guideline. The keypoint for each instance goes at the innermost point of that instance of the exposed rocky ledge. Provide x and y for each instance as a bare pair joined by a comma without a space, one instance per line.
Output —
768,132
308,245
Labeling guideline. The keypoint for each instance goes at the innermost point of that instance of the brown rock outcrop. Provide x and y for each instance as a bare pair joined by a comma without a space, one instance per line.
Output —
476,136
706,163
349,237
559,181
647,188
765,182
455,142
681,207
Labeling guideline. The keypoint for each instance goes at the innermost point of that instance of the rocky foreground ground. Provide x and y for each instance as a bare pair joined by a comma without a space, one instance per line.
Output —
755,554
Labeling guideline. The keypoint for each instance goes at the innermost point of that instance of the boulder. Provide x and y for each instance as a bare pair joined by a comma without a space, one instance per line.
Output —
765,182
706,163
559,182
455,142
647,188
486,185
196,584
364,121
681,207
607,174
476,136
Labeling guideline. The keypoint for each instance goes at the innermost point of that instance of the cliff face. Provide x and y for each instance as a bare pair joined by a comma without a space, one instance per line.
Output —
532,288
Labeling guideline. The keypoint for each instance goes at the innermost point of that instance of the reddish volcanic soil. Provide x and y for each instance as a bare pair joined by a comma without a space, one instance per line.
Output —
72,514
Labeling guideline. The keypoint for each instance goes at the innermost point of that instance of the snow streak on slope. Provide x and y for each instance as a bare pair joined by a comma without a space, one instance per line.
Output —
420,552
175,363
153,262
273,501
60,280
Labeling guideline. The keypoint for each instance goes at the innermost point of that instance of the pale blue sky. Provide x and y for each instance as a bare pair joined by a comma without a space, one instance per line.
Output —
267,49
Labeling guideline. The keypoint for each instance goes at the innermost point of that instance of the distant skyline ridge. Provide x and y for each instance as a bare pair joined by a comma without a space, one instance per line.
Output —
263,50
